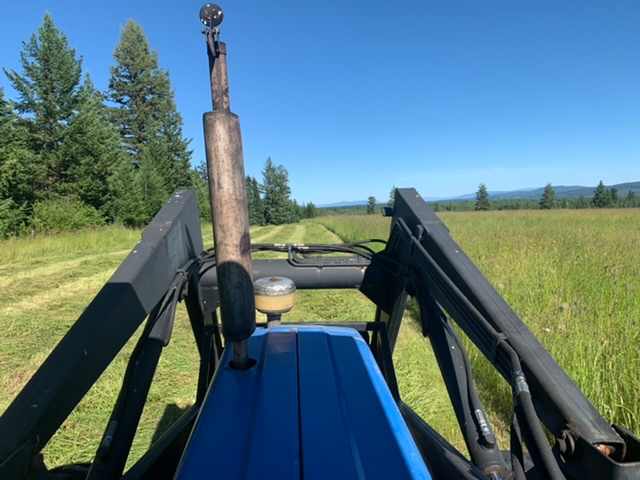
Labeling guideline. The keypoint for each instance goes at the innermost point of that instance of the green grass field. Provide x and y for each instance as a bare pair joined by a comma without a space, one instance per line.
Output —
573,276
45,282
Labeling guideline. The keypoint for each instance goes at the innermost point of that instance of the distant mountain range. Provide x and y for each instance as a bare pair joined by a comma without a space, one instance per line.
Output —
562,191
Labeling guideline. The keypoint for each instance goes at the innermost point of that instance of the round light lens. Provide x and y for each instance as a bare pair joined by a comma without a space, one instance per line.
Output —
211,15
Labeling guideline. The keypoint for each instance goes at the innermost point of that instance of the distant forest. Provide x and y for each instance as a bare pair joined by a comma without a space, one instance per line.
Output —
602,197
72,156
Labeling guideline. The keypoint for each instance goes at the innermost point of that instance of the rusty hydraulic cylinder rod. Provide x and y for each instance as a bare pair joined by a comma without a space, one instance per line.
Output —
219,78
230,217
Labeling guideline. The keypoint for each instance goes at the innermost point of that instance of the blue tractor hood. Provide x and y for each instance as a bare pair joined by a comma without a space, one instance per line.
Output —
315,406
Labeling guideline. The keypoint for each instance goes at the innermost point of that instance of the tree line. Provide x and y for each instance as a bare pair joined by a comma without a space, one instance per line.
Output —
74,156
372,204
71,155
603,197
270,201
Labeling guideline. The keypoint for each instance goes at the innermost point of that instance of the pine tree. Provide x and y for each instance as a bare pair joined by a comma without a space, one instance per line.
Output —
127,204
150,182
482,198
613,197
277,206
250,200
310,210
547,201
630,199
138,192
145,111
94,145
17,164
65,120
258,201
256,210
171,152
295,212
371,205
582,202
601,197
201,187
49,93
392,197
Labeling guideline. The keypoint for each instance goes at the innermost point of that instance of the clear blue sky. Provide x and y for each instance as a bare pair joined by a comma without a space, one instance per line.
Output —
354,97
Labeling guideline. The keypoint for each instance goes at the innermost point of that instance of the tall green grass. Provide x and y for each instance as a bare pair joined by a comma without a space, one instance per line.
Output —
39,247
353,228
574,278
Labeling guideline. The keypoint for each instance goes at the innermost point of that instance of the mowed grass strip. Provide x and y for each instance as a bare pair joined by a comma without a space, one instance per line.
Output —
45,287
573,276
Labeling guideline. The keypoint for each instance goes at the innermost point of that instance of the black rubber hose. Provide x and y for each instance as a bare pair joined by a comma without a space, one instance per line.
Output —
522,397
472,393
539,438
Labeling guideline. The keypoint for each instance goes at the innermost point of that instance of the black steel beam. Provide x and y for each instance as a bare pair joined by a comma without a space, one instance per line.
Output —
171,240
559,402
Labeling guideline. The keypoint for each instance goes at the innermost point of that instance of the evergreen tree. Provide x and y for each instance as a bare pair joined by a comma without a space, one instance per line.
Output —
138,192
547,201
49,92
66,123
630,199
93,144
582,202
295,211
601,197
17,164
482,198
256,211
613,197
392,197
151,185
277,207
199,184
256,188
178,160
310,210
127,205
145,111
371,205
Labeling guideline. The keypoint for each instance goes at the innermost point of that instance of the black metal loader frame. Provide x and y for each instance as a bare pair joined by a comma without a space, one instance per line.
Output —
555,431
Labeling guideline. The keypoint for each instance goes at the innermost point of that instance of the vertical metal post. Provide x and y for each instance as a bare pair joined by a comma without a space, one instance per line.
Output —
229,210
